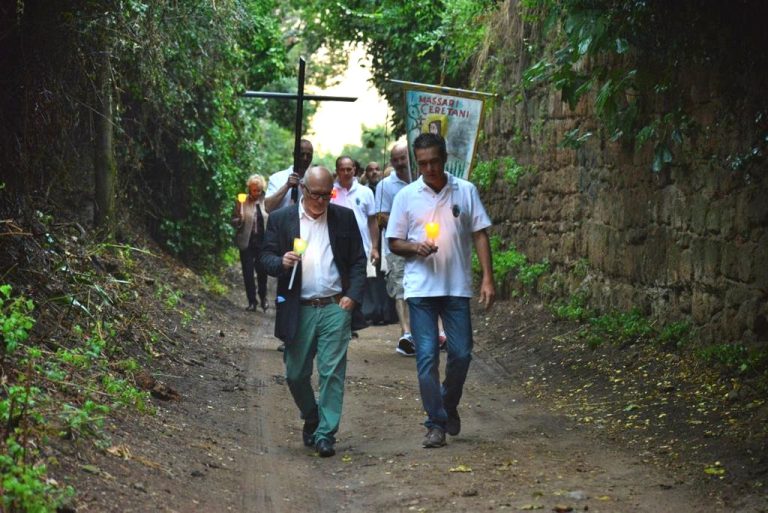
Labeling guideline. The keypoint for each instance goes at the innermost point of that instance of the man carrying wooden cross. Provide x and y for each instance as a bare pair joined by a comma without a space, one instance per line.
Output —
282,183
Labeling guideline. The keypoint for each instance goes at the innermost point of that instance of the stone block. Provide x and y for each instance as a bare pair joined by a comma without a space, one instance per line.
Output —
757,208
704,306
760,264
597,243
699,207
705,256
684,266
729,264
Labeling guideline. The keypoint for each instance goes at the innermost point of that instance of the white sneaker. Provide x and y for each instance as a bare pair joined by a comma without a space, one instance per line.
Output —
405,346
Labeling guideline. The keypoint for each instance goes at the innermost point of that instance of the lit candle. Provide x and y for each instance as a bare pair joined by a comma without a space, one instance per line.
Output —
241,199
299,246
433,230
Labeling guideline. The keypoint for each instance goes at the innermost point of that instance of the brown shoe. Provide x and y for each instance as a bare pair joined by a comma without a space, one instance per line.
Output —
435,438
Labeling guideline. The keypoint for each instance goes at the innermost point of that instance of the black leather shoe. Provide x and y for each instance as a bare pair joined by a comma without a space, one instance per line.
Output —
325,448
251,307
453,426
264,304
308,432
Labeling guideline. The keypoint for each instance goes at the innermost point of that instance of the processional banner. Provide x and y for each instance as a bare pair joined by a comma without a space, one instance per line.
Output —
456,114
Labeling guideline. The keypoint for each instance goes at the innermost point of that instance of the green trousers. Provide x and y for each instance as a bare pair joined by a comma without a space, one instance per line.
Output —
323,333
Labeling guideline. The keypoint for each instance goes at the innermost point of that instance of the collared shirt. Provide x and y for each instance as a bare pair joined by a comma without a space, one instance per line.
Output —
359,198
458,210
319,275
276,181
386,190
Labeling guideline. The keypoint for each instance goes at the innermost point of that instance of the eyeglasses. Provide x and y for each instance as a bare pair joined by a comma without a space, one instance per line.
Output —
317,196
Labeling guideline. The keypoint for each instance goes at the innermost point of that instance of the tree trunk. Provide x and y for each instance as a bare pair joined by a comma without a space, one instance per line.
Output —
105,169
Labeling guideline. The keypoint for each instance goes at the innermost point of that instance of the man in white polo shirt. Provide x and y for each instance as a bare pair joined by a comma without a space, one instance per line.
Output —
386,191
349,193
282,184
438,277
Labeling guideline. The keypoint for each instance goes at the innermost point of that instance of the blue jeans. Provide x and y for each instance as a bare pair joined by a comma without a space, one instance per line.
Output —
439,400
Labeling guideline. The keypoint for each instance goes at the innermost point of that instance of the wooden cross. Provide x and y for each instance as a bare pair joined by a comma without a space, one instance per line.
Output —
299,97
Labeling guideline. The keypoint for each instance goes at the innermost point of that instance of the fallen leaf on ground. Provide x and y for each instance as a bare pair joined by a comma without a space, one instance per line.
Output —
461,468
91,469
121,451
714,470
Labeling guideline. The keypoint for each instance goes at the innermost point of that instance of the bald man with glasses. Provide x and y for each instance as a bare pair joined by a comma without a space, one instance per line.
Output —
313,316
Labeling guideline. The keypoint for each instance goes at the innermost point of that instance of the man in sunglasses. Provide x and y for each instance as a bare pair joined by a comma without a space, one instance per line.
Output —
314,315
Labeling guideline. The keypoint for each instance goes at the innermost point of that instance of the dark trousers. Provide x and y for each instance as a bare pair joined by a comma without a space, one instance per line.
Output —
249,261
378,307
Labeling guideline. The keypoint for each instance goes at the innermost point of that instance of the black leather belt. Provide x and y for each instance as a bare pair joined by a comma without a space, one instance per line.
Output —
320,302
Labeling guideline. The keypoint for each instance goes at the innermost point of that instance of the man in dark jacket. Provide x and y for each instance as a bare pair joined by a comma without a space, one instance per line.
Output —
314,314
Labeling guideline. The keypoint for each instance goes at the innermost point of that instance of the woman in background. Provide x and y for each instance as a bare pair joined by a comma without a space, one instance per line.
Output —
250,220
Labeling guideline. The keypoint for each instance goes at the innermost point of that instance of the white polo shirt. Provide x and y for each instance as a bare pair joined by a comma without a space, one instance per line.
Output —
386,190
319,275
460,213
276,181
359,198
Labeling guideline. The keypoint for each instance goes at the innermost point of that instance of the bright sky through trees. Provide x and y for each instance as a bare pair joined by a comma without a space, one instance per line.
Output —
335,123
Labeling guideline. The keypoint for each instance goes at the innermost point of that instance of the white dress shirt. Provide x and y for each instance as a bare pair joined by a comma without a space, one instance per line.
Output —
319,275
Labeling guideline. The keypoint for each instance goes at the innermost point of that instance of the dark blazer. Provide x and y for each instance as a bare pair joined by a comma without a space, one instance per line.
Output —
348,255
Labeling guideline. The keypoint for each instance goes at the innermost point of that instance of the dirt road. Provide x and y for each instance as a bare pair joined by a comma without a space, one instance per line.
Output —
233,442
511,454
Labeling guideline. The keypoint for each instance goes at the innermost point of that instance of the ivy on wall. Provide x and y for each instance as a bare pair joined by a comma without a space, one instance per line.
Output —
629,58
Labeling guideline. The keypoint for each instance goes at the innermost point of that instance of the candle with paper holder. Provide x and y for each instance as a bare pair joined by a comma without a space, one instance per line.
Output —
299,247
433,231
241,199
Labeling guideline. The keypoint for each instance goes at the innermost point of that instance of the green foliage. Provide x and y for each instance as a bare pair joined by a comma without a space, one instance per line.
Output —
735,358
86,419
171,298
428,42
182,66
18,402
372,147
573,309
581,268
15,319
214,284
528,274
676,334
24,486
124,394
618,328
590,60
509,260
27,410
486,172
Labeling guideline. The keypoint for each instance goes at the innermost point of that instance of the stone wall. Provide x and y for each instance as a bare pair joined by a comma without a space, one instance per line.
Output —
688,243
